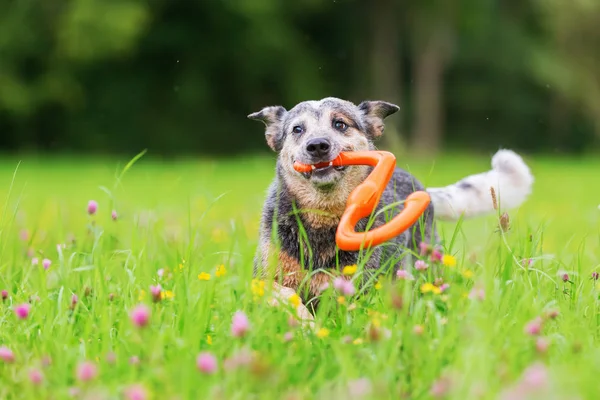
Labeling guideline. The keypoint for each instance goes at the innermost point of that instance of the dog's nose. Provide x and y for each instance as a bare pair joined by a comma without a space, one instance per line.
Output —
318,147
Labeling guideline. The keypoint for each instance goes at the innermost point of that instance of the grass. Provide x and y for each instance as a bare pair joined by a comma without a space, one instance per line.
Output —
190,217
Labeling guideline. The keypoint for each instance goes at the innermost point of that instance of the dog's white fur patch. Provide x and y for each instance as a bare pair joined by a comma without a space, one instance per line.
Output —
510,177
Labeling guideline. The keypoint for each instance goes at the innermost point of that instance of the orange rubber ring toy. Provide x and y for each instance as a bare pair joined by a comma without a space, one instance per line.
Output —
365,197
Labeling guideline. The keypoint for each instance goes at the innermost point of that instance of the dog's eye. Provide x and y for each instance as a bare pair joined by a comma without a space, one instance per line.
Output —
297,129
340,125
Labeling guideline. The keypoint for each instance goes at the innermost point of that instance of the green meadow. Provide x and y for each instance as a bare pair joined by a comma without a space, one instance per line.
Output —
519,318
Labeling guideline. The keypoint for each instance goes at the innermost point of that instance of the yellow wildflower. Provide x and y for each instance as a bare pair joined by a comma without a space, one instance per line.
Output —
203,276
323,332
167,294
350,269
258,287
467,273
208,339
378,285
142,295
430,287
220,271
341,300
357,341
376,322
448,260
295,300
427,287
465,295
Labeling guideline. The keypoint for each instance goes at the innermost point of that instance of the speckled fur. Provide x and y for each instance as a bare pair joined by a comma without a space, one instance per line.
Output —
305,261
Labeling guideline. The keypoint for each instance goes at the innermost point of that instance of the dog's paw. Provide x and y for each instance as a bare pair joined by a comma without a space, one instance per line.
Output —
282,294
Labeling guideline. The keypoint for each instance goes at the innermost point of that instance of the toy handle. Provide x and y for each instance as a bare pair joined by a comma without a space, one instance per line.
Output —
349,240
365,197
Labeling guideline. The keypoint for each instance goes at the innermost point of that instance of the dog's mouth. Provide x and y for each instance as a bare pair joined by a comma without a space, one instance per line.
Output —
322,169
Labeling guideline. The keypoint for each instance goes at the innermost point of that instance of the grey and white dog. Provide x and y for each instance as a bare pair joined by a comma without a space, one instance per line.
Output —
302,210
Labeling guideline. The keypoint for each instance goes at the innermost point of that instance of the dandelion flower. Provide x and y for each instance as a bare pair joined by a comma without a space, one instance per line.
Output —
167,294
209,340
322,333
203,276
206,363
430,287
221,271
350,269
341,300
295,300
258,287
378,285
448,260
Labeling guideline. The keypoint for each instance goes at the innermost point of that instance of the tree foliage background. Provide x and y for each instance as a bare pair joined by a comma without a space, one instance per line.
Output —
180,76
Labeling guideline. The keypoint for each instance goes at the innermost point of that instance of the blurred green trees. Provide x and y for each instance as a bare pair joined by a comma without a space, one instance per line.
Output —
181,75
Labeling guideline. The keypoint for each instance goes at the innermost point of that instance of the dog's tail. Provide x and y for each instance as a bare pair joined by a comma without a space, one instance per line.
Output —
472,196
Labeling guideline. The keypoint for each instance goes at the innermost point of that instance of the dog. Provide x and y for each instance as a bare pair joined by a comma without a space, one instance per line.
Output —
297,246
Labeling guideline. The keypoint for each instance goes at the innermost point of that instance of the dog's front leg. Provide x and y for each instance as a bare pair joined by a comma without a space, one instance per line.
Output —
283,294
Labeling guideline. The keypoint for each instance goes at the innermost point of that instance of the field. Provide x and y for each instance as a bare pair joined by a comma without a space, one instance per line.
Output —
519,319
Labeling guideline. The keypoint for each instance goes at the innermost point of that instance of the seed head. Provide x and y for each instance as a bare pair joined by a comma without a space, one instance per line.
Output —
504,222
494,200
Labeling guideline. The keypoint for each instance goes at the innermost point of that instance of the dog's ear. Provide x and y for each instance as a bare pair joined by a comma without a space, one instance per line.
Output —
374,112
272,117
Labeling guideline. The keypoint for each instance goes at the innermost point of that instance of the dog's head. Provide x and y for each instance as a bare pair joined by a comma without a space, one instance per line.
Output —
314,132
